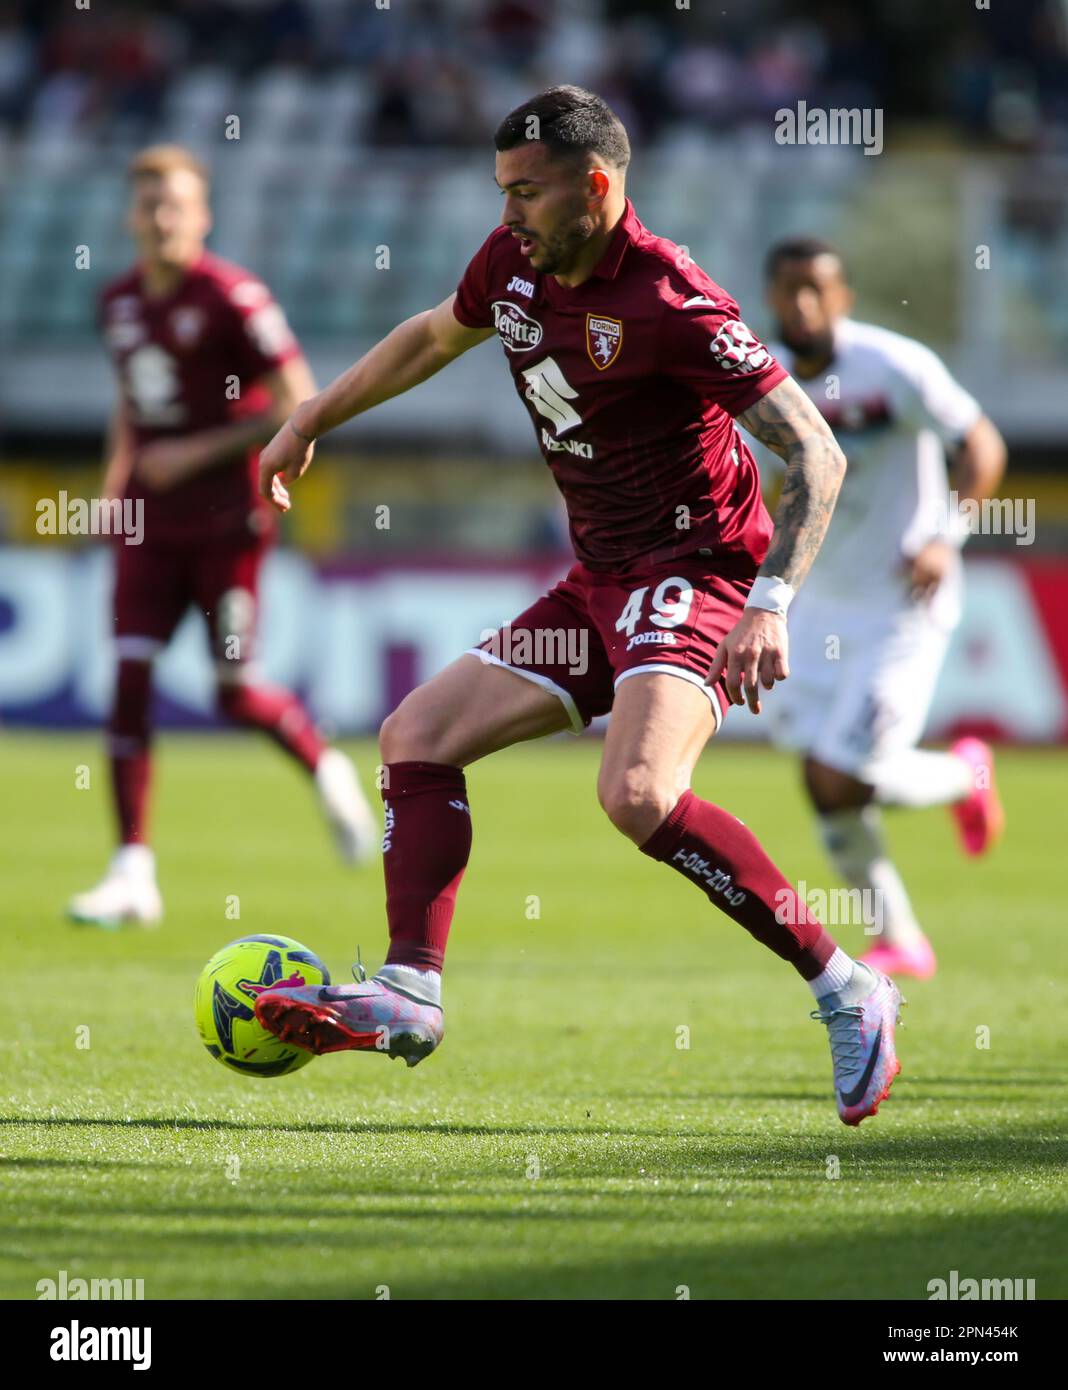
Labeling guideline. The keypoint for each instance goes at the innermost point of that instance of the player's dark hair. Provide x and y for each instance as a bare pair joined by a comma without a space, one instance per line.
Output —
571,123
800,248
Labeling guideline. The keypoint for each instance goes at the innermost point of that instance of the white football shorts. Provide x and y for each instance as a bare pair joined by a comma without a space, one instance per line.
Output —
861,682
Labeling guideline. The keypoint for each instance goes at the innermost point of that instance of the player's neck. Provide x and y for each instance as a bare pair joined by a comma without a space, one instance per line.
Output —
587,260
160,279
817,358
805,368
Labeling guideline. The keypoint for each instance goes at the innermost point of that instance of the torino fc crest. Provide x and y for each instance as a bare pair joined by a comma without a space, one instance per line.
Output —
187,324
604,338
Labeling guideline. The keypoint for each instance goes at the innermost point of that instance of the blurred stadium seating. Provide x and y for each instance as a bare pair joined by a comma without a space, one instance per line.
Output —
363,126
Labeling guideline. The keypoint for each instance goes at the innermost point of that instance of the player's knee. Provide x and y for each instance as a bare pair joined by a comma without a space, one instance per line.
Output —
410,735
832,790
635,801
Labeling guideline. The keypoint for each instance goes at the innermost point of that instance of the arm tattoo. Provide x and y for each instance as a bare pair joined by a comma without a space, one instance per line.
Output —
790,425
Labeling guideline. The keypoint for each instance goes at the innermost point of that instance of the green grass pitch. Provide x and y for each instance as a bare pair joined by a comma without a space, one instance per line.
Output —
561,1144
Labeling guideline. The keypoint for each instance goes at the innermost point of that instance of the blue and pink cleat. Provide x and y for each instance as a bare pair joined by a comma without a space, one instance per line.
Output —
861,1034
366,1017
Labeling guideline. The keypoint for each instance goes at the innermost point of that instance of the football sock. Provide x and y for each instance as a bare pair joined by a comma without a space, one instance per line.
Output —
278,713
425,848
835,976
854,842
424,984
849,981
920,777
715,850
129,736
134,861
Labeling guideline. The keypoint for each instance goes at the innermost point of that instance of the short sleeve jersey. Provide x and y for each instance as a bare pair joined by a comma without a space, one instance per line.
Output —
189,362
632,381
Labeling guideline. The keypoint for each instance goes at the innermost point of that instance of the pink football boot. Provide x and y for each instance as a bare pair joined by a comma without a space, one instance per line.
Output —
979,816
917,960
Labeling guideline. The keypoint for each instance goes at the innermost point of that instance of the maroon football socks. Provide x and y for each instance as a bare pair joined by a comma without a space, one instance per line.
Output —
425,848
428,840
279,714
716,851
129,735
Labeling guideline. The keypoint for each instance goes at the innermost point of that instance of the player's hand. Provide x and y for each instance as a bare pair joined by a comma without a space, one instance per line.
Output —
167,462
285,459
928,567
753,654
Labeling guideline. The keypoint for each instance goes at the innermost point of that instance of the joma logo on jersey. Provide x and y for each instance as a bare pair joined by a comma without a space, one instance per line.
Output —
604,338
521,286
518,331
664,639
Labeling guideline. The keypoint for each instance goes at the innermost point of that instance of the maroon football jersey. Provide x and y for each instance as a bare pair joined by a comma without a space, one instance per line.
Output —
190,362
632,381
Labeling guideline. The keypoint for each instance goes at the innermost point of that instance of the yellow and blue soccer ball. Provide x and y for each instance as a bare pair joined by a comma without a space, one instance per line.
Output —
226,995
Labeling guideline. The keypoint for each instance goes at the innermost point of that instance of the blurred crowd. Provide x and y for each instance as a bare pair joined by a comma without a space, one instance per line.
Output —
438,72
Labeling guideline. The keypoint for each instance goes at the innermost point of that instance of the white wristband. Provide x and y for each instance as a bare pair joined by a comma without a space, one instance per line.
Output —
772,594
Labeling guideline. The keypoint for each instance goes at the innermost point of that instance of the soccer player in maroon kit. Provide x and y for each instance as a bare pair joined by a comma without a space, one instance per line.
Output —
636,370
207,368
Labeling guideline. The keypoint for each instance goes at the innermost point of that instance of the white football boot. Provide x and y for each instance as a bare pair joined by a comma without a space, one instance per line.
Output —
345,807
126,893
860,1022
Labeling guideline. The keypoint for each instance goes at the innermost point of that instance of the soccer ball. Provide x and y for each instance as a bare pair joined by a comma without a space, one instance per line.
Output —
227,991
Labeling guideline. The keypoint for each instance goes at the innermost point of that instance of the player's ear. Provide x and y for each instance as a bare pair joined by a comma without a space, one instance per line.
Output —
598,185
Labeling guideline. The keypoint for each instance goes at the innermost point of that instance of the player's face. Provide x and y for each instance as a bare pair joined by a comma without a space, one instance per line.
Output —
808,297
547,206
169,217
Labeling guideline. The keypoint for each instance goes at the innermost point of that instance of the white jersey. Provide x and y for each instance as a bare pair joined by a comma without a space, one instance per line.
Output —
895,410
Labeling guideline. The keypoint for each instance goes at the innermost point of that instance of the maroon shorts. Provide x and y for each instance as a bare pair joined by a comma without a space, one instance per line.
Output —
591,631
155,584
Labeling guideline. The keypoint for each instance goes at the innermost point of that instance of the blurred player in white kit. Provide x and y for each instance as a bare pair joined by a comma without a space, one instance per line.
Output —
869,633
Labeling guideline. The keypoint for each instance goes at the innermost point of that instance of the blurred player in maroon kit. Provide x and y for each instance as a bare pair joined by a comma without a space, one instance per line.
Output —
634,367
207,368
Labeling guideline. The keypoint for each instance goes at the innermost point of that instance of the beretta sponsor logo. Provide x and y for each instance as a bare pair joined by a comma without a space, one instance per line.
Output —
518,331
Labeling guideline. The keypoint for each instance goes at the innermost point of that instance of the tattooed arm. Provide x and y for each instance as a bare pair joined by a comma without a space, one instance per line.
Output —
787,423
754,652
